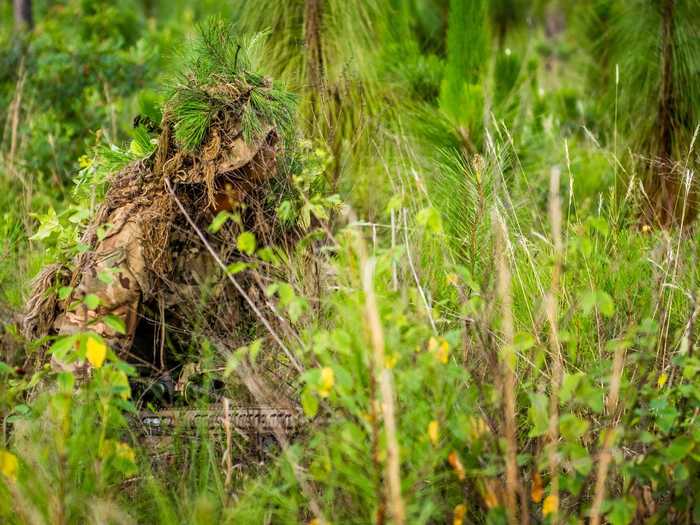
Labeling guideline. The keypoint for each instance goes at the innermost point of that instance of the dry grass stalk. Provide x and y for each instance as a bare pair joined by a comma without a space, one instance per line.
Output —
428,310
605,454
386,389
229,443
551,308
394,267
508,379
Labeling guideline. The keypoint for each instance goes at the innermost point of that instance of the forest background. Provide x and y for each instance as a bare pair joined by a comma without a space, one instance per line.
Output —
498,204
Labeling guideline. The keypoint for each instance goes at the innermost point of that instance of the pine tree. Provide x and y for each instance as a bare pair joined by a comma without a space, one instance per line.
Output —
461,93
652,48
331,52
23,14
505,14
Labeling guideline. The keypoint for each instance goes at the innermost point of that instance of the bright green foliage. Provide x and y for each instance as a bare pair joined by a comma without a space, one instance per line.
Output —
436,121
71,445
77,72
192,120
461,93
220,73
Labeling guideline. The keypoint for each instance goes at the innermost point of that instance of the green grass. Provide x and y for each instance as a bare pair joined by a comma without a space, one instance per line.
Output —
409,289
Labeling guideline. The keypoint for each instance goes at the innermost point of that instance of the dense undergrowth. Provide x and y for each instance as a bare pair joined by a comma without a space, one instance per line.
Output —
490,313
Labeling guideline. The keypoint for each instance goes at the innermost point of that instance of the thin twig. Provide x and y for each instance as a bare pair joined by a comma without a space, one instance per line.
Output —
605,455
415,274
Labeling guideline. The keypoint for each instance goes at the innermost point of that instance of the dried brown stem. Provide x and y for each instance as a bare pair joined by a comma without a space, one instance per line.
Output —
386,388
551,307
229,441
605,454
508,381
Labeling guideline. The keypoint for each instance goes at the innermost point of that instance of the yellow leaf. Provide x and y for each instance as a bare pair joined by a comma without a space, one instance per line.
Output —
550,505
327,382
8,464
124,451
391,360
96,352
452,279
432,344
490,496
537,491
84,161
662,380
443,352
456,464
459,512
434,432
476,427
440,347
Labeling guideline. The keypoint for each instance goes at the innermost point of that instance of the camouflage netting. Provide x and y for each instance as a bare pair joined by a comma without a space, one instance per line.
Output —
160,272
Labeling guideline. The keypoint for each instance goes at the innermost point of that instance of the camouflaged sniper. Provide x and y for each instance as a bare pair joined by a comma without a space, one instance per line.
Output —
147,250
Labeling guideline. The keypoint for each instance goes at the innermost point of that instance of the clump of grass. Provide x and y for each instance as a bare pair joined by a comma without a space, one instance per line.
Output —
192,120
220,76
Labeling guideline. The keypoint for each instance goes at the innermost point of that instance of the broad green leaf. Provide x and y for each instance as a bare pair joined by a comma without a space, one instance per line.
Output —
539,416
580,459
246,243
64,292
254,349
62,345
523,341
569,385
430,218
79,216
66,381
678,449
286,293
236,267
115,323
597,299
572,427
622,511
309,402
219,221
591,396
91,301
48,224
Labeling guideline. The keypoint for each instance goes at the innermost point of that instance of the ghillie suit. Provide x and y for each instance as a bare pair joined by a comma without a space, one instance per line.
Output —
221,151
